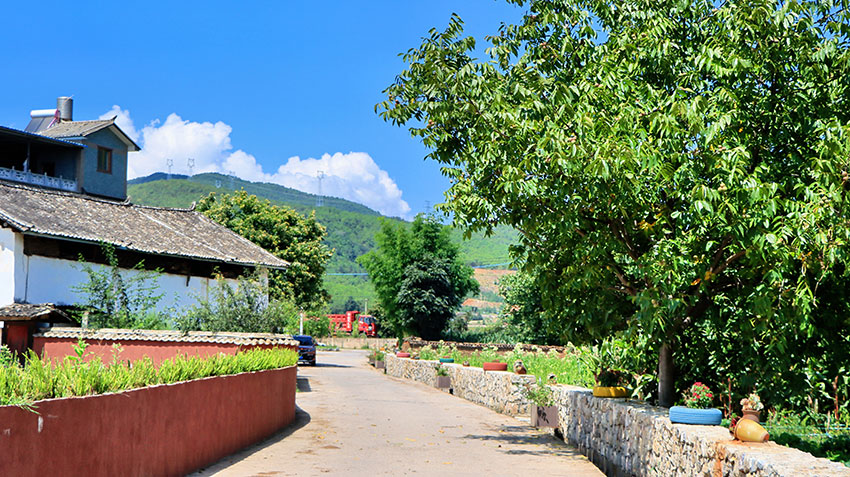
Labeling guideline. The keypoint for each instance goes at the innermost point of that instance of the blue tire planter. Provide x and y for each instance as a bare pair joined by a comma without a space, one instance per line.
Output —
447,360
686,415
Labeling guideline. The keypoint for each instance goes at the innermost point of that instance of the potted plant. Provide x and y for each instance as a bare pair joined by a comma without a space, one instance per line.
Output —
609,383
443,379
379,360
544,412
519,368
696,410
751,405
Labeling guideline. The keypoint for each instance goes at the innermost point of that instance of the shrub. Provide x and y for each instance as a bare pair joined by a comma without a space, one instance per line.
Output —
699,396
37,379
241,308
115,299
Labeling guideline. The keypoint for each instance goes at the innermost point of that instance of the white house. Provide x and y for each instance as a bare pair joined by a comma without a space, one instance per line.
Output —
48,221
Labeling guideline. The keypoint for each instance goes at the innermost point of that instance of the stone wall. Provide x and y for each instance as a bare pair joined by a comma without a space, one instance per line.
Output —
347,342
626,438
501,391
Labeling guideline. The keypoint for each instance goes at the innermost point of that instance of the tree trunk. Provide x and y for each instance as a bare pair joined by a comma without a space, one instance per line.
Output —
666,376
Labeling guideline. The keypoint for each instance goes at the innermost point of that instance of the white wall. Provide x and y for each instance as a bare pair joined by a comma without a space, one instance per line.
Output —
11,266
51,280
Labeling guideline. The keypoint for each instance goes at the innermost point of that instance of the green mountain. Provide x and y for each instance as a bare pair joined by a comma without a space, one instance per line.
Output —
351,227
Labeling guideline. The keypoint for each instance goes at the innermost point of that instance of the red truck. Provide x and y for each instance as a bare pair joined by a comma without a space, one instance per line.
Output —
345,322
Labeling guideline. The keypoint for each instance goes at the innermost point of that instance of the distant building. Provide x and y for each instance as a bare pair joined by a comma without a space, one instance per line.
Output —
63,189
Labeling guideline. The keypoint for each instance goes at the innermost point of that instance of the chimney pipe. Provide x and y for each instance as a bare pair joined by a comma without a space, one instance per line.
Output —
65,105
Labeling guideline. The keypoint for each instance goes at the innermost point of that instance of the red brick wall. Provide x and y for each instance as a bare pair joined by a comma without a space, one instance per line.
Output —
160,430
132,350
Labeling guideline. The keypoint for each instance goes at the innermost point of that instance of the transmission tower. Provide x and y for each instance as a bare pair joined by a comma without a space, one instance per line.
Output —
320,175
191,163
170,163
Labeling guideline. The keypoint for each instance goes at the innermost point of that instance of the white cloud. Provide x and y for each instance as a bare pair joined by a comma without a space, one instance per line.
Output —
354,176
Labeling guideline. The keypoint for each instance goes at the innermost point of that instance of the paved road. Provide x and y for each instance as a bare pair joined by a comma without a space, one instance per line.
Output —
353,420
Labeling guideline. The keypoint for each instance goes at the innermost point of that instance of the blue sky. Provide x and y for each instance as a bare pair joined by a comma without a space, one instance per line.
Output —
241,87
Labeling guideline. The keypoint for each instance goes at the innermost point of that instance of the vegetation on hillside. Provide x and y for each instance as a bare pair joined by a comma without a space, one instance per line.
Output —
350,227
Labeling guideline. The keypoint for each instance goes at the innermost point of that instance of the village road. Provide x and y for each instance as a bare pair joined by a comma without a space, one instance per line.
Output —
354,421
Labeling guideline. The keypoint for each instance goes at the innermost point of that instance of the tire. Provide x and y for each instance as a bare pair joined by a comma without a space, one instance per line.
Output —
686,415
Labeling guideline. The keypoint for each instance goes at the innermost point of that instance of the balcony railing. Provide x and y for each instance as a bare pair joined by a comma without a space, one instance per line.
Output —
43,180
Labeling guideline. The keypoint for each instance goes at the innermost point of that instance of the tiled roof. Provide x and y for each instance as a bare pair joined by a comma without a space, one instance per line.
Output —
75,128
161,231
22,312
23,136
109,334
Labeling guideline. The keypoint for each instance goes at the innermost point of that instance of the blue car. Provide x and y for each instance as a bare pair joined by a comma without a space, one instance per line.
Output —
306,349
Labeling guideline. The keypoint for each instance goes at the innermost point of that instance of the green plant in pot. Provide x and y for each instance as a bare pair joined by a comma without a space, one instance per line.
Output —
544,412
751,406
697,409
378,358
610,383
443,380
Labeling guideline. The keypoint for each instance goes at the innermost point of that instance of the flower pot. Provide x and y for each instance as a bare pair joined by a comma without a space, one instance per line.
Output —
371,362
544,416
380,365
495,366
443,382
610,391
687,415
402,355
751,415
447,360
748,430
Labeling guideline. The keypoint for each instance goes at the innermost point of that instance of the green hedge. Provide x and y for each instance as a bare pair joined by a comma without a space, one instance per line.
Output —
37,379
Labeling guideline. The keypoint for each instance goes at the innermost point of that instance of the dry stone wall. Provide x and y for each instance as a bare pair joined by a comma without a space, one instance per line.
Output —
501,391
626,438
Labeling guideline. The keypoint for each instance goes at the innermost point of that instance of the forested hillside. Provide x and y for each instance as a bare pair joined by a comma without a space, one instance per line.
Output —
351,227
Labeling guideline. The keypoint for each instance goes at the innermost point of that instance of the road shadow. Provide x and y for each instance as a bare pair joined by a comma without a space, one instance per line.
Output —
525,440
331,365
302,418
303,384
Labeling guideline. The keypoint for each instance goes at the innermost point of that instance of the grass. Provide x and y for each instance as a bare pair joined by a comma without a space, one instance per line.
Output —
37,379
572,369
829,438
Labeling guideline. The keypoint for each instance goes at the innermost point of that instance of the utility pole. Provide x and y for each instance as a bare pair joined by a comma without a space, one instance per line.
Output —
170,163
320,175
301,325
365,306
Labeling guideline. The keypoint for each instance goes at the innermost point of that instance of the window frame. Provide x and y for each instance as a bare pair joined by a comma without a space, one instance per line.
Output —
108,152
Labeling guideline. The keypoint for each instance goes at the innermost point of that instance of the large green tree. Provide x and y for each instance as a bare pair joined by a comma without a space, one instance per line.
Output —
673,167
418,276
284,233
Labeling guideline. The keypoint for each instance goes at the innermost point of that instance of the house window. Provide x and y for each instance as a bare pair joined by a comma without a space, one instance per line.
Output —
104,160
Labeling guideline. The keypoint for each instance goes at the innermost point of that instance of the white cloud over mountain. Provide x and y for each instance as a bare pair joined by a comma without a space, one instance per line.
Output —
354,176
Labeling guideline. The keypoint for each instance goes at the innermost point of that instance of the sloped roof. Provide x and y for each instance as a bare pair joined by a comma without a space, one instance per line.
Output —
69,129
170,336
24,312
161,231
